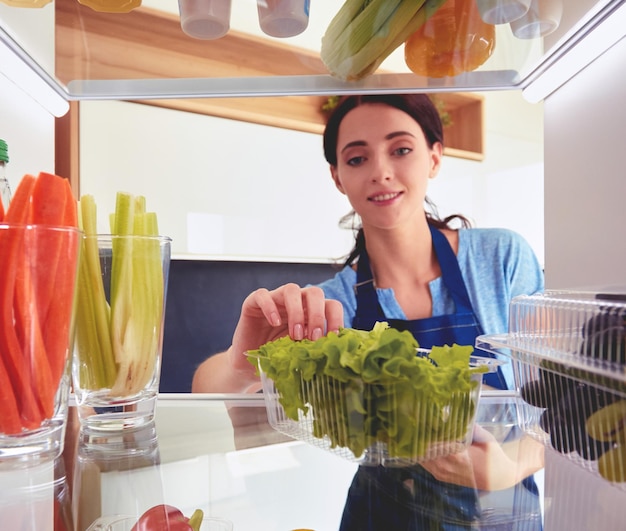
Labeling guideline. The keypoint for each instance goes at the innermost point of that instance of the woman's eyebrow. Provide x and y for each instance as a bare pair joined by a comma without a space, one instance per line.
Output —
398,133
353,144
391,135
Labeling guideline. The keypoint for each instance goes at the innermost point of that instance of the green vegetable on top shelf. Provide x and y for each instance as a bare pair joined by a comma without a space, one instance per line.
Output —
365,387
117,338
364,33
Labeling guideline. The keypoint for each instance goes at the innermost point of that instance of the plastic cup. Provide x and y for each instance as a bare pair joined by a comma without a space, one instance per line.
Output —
119,329
502,11
283,18
37,289
205,19
543,17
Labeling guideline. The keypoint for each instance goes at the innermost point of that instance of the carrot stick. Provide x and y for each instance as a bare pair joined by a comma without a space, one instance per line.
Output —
57,326
70,214
28,328
54,204
47,208
19,208
34,288
10,246
9,417
48,199
11,242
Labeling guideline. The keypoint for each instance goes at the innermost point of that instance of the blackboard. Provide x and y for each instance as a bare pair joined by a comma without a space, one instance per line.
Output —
203,304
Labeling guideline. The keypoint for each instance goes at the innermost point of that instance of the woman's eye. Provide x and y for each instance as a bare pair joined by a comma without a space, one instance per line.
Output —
403,151
355,161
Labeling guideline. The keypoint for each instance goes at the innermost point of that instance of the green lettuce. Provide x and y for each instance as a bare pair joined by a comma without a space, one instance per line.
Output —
368,387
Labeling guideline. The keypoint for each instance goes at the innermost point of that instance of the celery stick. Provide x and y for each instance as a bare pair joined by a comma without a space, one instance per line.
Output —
122,325
139,282
140,208
93,317
148,285
91,367
148,279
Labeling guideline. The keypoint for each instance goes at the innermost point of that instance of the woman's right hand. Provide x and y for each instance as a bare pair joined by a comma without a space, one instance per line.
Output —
267,315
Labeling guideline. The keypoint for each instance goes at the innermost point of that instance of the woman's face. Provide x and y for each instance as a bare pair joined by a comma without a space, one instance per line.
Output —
384,164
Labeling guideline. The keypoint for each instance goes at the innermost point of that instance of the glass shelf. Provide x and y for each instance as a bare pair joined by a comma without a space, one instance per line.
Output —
144,54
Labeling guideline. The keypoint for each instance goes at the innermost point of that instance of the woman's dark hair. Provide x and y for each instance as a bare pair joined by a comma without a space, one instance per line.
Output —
419,107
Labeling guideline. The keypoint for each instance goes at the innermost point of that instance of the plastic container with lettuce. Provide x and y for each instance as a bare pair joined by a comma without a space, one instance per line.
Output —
367,396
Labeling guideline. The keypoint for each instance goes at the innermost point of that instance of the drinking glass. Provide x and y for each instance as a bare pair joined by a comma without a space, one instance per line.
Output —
38,266
119,329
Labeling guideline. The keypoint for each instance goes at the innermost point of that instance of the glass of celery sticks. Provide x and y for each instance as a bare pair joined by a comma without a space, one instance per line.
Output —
120,308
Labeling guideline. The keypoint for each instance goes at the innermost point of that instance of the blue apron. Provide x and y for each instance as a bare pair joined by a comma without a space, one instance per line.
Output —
461,327
411,499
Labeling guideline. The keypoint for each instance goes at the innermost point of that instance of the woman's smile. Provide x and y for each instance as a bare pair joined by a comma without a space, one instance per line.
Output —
386,197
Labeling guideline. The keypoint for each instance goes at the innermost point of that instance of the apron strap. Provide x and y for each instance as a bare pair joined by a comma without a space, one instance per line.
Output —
450,271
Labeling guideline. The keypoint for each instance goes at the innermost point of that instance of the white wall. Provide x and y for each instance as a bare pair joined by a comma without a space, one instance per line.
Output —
506,188
251,190
585,185
25,125
28,131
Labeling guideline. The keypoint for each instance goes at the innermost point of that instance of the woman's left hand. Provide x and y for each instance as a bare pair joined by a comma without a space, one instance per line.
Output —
488,465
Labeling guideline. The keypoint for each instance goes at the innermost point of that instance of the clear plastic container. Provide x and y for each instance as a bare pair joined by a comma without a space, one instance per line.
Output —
543,17
502,11
330,418
283,18
205,19
569,350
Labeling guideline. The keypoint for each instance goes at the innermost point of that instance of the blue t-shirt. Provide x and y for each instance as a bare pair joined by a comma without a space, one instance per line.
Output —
496,265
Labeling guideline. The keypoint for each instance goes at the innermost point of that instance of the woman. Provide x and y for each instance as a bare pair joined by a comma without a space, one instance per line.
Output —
419,273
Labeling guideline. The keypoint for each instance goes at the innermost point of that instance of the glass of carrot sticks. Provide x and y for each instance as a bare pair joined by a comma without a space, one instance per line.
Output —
122,285
39,256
